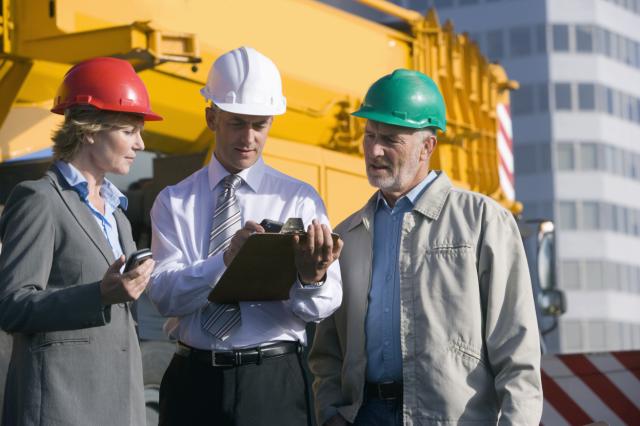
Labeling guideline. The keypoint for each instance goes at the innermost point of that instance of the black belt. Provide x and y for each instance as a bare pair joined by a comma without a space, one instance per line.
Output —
238,357
387,390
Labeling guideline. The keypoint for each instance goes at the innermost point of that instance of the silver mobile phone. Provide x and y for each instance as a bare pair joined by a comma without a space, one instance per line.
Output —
137,258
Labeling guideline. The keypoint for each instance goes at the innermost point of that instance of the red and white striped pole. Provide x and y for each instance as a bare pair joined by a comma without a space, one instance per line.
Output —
505,151
583,388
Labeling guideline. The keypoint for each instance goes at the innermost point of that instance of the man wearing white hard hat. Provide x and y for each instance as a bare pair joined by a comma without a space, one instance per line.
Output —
240,363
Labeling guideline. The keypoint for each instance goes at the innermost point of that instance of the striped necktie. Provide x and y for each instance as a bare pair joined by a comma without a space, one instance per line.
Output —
221,319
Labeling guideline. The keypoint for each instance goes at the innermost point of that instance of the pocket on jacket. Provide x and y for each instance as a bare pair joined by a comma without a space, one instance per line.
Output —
47,343
452,248
468,352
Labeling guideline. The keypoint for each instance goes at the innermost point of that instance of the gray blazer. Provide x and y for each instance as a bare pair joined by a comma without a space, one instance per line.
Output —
74,361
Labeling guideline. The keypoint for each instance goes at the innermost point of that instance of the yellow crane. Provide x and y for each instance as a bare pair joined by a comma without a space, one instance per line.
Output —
327,58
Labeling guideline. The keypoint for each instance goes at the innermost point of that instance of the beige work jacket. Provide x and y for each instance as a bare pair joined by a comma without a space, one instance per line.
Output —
469,336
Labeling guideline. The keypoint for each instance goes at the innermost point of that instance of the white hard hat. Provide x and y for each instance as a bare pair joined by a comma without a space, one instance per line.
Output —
244,81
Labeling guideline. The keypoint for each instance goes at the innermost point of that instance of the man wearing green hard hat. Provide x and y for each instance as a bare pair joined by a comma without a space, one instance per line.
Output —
437,323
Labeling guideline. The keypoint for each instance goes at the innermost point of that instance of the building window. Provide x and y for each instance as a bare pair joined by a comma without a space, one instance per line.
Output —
541,38
597,332
586,97
572,335
520,41
522,100
560,38
570,271
633,215
609,100
618,160
589,156
626,102
606,42
567,215
607,217
495,45
620,47
613,45
563,96
543,97
635,166
590,216
584,38
630,53
564,159
544,157
611,273
621,223
617,104
593,275
525,158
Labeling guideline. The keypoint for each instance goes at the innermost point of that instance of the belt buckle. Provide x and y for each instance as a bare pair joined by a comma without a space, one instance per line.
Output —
224,364
381,393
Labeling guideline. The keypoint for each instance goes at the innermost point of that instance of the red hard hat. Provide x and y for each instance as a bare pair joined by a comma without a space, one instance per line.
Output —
105,83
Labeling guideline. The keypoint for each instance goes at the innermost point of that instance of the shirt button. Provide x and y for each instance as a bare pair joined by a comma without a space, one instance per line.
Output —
388,277
386,343
386,309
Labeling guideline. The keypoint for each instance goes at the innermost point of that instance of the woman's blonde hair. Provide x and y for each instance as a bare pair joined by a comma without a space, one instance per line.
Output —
85,121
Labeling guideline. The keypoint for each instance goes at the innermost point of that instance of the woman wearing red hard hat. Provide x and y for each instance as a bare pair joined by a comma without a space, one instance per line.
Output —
63,292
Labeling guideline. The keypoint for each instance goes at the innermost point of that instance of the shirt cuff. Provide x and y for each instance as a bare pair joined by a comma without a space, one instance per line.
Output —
213,268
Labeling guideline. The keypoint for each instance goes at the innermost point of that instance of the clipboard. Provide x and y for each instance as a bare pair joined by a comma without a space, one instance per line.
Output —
263,270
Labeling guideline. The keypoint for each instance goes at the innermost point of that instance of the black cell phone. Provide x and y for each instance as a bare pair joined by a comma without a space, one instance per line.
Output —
137,258
271,225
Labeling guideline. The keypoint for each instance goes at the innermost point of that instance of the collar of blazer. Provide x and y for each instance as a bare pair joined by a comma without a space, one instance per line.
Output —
82,215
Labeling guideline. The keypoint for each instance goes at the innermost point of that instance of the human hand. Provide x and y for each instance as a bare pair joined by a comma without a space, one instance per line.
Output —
316,253
336,420
239,239
118,288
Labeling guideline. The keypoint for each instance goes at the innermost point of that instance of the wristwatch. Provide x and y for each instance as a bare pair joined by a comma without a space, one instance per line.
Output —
313,284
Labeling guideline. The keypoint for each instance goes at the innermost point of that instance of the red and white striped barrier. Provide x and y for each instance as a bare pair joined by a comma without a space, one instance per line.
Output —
584,388
505,151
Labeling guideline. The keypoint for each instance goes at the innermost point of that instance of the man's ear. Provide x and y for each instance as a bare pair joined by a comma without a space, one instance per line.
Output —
211,115
429,145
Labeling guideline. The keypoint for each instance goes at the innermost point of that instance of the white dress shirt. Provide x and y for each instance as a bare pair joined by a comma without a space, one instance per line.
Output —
181,220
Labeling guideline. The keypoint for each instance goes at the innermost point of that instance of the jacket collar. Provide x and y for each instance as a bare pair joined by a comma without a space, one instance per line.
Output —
81,213
429,204
433,198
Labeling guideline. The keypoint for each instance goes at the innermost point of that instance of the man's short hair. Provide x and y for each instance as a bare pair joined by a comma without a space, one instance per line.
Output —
82,121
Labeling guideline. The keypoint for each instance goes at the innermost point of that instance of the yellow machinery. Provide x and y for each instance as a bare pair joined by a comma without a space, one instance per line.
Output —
327,57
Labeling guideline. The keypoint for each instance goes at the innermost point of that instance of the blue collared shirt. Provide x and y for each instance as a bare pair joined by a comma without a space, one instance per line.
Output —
384,355
112,196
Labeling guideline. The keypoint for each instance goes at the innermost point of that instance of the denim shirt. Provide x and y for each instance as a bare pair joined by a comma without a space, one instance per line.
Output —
384,357
112,196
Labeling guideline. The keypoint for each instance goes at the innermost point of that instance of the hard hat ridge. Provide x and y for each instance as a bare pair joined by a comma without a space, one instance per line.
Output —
405,98
244,81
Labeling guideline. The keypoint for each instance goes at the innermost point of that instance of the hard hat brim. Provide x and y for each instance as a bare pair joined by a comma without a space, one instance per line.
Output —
249,109
394,121
146,115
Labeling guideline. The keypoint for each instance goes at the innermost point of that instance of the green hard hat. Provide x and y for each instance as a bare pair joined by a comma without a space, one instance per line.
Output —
405,98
